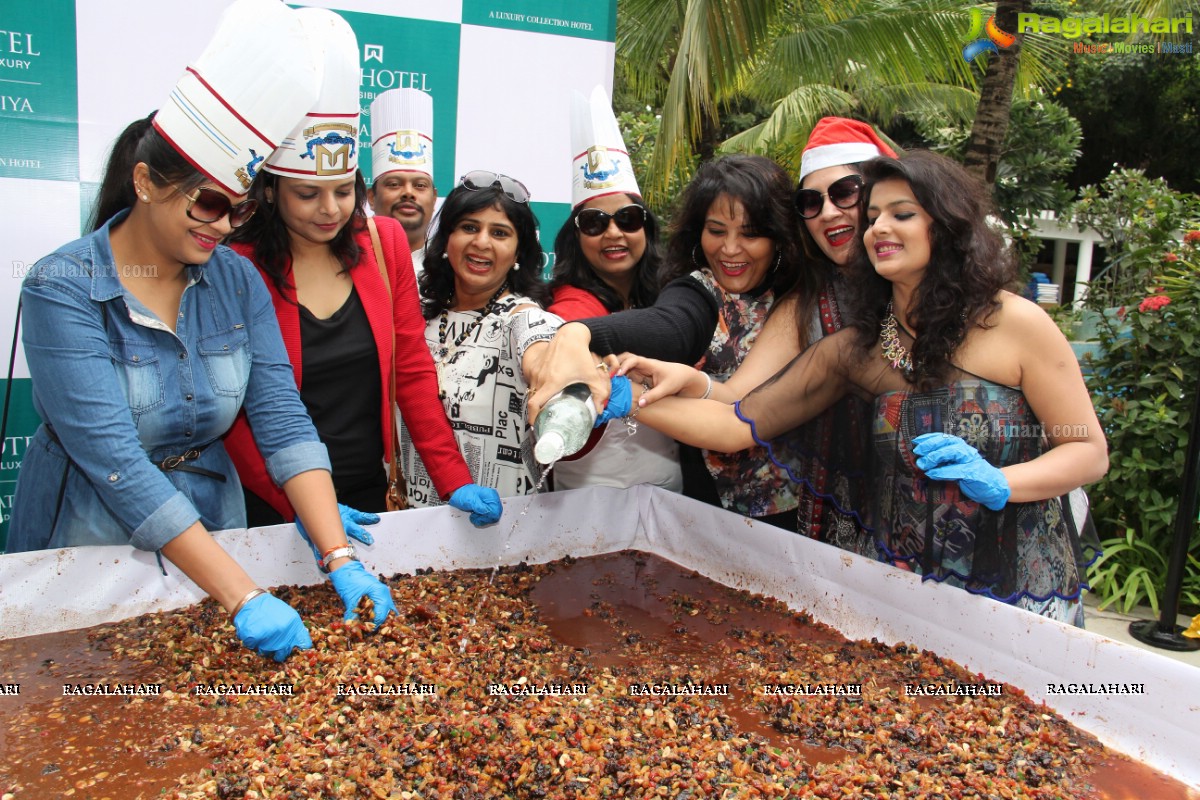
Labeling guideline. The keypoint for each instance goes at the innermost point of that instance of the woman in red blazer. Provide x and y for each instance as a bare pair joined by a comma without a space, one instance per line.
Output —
314,252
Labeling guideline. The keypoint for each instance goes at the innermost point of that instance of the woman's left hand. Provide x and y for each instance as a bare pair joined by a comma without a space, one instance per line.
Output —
352,522
353,582
482,502
666,378
948,458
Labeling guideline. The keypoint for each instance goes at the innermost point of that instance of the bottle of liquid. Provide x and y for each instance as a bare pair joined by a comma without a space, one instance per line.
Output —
564,424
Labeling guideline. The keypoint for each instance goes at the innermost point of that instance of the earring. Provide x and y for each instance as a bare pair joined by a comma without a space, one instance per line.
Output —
778,261
146,198
695,260
445,256
516,266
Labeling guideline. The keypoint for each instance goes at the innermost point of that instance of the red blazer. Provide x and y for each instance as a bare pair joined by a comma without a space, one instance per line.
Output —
416,389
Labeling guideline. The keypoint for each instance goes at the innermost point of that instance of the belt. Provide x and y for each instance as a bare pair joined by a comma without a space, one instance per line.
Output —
173,463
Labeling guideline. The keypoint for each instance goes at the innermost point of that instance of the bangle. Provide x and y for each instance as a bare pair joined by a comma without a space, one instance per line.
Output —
708,389
250,595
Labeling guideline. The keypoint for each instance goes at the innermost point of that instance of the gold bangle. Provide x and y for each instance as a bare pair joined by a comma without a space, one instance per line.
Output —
708,389
250,595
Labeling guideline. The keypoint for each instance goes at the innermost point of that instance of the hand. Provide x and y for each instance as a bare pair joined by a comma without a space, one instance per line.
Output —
665,377
353,582
948,458
620,402
482,501
352,522
568,360
270,627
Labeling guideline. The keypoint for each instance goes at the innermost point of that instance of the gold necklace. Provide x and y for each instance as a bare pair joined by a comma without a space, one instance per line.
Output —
889,340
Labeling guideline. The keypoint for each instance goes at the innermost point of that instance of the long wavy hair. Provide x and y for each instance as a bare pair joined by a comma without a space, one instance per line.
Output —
969,263
140,142
437,278
571,267
267,233
765,192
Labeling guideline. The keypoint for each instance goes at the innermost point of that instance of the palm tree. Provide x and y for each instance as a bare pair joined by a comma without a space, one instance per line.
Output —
804,59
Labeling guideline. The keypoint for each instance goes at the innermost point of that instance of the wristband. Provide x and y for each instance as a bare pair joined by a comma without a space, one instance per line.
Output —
708,389
250,595
341,551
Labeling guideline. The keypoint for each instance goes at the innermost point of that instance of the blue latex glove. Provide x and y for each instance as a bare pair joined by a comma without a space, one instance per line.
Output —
352,581
948,458
482,502
352,522
620,401
270,627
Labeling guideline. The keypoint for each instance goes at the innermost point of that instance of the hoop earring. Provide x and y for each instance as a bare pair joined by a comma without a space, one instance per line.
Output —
695,260
778,261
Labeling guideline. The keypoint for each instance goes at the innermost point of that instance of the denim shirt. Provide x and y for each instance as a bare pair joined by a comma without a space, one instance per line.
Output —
122,392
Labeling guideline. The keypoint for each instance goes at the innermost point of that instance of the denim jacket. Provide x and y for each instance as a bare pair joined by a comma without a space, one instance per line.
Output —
121,392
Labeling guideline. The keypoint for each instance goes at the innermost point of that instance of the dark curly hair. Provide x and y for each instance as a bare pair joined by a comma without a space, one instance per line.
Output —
969,263
437,277
571,267
765,191
140,142
268,233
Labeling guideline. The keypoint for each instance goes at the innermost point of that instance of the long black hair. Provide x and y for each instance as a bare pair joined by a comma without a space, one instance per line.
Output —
140,142
437,277
765,191
571,267
969,263
268,233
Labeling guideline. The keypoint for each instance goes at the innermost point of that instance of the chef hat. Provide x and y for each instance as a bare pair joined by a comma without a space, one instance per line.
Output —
401,133
835,141
324,146
600,165
243,94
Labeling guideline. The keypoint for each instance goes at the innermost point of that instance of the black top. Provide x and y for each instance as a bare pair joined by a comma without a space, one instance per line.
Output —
678,327
341,389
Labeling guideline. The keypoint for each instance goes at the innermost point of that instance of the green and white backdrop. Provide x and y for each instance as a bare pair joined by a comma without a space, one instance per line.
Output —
74,73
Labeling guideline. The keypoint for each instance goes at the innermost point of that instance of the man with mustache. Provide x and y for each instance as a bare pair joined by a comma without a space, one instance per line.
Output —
402,161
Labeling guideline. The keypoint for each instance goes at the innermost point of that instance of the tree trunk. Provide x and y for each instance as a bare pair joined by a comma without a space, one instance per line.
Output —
995,99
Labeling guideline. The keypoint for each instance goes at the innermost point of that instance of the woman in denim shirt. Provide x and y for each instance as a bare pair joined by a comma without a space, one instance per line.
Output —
144,339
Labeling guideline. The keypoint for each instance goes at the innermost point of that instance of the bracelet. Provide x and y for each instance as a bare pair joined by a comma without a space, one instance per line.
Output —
342,551
633,412
708,389
325,555
250,595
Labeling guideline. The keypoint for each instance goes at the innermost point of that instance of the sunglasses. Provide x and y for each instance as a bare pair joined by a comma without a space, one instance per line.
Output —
482,179
209,205
843,193
593,221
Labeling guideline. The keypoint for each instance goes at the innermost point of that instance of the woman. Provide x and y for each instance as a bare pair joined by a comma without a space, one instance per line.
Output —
607,259
481,297
982,419
344,328
732,256
144,340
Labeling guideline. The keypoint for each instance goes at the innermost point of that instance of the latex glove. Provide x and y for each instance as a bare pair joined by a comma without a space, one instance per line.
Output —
948,458
482,502
352,582
352,522
620,401
270,627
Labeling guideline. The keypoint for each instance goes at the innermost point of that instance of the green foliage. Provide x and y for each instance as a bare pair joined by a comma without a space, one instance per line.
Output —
640,129
1039,151
1143,383
1138,219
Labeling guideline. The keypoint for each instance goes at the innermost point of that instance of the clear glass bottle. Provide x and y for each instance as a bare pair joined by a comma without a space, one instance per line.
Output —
564,424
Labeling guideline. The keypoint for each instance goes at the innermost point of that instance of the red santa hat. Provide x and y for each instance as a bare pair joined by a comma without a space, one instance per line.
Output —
835,141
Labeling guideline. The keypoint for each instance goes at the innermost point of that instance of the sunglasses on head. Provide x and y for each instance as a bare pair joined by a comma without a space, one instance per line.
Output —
593,221
209,205
482,179
843,193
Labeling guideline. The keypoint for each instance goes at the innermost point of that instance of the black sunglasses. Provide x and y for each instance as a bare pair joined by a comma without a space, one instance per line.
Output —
482,179
209,205
844,193
593,221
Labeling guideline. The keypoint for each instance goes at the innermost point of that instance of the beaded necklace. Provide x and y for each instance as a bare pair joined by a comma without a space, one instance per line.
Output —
489,309
894,352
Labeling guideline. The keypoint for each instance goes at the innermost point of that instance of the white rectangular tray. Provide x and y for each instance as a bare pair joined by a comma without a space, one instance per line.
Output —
58,590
